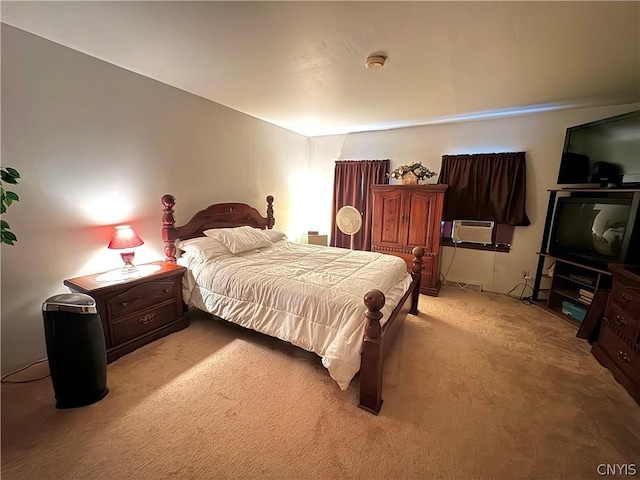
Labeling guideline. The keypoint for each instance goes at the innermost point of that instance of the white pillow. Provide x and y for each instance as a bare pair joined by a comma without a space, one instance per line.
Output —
275,235
203,247
240,239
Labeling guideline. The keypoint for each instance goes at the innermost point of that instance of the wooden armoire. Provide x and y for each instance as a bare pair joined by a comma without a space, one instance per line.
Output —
408,216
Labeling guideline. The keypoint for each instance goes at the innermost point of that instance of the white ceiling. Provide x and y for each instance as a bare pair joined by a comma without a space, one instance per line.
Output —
300,65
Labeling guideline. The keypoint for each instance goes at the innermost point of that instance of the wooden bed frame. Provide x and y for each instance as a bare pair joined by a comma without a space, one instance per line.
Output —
377,339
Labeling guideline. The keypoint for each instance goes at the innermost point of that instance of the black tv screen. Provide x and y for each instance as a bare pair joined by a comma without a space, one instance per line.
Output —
606,152
597,229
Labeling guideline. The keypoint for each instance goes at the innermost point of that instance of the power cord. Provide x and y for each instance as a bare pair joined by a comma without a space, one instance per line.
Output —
10,382
453,257
521,297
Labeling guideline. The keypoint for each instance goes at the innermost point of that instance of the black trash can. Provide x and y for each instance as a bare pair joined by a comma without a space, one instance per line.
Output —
76,349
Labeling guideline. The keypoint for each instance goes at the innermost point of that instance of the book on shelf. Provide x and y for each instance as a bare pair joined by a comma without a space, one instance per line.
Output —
585,293
585,300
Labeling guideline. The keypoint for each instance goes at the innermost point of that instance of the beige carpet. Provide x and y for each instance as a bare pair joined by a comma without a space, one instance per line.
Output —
479,386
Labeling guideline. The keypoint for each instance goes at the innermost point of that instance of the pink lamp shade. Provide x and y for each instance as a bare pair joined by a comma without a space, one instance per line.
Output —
125,238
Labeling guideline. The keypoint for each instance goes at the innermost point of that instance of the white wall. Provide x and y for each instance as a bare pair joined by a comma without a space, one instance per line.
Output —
97,146
541,135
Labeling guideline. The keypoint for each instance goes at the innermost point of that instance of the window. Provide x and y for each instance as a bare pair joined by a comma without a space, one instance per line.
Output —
485,187
352,186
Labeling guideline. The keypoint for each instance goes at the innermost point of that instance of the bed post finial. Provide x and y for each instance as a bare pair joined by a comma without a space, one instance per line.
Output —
372,355
270,220
416,273
168,227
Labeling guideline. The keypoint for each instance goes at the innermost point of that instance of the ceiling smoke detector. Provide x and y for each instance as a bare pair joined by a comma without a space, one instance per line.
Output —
375,62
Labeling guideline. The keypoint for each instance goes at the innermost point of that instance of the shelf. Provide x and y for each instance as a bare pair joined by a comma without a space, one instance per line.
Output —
571,262
558,313
573,279
570,294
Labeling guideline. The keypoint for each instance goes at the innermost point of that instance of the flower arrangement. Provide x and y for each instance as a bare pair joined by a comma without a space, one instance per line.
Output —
417,168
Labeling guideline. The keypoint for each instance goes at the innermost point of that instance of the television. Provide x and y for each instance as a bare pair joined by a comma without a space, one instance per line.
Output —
604,153
597,228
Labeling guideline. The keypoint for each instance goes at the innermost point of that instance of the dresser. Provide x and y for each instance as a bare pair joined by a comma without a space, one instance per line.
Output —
136,311
618,344
408,216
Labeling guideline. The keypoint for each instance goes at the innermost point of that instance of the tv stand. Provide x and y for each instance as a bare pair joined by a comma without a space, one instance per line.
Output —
575,288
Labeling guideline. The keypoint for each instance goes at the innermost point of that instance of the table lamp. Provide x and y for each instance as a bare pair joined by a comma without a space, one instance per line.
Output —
124,238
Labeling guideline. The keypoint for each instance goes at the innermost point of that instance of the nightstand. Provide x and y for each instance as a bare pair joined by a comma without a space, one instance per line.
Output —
136,311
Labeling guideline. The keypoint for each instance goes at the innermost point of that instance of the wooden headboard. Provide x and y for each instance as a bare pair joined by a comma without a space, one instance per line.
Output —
219,215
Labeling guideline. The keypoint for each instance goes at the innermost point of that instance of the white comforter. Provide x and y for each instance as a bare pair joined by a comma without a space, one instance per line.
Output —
307,295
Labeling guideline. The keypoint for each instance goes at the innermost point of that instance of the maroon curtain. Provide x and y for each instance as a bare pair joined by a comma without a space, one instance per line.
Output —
488,186
352,186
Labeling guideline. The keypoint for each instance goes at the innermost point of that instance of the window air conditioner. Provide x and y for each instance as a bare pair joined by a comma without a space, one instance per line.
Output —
472,231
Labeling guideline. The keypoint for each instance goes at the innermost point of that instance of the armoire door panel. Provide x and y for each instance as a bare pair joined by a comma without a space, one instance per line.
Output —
390,227
420,210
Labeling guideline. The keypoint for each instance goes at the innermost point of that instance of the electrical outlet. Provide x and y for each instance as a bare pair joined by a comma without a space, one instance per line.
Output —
526,275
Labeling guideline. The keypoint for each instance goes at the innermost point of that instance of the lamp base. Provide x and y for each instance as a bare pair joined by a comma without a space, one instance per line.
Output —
127,258
120,274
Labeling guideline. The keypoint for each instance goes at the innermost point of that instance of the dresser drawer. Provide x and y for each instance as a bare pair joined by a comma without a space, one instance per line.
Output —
133,326
623,321
141,296
626,296
625,356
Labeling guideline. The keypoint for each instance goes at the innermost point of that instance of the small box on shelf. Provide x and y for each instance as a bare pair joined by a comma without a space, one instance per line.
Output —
574,310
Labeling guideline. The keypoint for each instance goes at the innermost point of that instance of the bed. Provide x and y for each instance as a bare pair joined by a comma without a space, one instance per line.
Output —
326,300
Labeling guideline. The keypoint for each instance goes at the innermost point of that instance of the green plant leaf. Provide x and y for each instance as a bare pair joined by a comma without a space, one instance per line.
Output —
7,175
13,172
8,178
7,237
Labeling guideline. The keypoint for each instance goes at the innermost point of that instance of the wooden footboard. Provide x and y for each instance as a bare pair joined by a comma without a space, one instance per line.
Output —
378,340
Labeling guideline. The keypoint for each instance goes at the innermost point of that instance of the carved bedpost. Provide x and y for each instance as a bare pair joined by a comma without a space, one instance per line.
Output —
270,220
416,273
372,354
168,225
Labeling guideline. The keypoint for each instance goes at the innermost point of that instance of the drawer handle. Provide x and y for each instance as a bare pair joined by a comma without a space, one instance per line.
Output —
148,318
623,357
166,290
620,321
625,297
124,304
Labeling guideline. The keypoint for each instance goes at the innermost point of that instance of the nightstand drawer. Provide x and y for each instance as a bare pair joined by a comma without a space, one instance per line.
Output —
141,296
133,326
